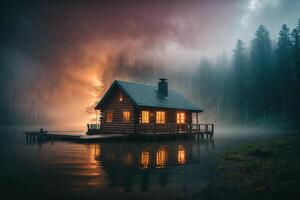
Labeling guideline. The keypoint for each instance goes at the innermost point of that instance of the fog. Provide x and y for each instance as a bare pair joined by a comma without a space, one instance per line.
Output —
57,58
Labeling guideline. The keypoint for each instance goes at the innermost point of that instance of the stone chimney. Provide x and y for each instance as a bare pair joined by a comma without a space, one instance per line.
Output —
163,87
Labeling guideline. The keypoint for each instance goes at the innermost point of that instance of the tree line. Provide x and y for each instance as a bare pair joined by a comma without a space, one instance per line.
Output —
261,82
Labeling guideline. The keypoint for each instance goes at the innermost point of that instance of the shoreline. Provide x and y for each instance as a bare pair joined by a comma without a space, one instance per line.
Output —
260,170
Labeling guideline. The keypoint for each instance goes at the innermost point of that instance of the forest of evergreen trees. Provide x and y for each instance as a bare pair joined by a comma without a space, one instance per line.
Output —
261,83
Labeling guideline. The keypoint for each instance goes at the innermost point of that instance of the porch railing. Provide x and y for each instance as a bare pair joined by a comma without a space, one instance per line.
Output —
93,128
175,128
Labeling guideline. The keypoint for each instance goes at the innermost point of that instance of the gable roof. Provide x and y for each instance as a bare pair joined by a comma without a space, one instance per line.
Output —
146,95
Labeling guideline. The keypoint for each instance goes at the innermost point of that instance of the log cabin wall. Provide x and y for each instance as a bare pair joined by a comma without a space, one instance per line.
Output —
117,125
117,107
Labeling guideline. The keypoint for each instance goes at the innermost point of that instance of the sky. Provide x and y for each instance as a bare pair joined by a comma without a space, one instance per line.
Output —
58,57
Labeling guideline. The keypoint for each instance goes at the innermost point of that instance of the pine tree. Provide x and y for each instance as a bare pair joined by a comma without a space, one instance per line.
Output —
296,68
284,50
260,58
206,86
240,79
296,51
284,58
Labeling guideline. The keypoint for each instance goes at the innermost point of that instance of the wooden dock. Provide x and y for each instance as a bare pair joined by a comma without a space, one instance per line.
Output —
37,135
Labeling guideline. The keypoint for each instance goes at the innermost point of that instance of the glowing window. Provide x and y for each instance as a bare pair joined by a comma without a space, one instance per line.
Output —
145,116
180,118
160,117
126,116
109,116
121,97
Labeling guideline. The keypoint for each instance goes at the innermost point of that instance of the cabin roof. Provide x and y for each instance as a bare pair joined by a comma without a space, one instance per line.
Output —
146,95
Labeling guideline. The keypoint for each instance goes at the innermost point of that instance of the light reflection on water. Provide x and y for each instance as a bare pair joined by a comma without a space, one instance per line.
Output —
161,157
181,155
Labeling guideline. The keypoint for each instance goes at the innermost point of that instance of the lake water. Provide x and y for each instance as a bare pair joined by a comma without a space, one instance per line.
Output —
109,170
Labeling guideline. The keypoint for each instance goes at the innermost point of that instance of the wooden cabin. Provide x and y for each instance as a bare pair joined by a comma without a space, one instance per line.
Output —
134,108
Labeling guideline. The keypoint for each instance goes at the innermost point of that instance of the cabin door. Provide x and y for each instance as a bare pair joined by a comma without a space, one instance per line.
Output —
181,122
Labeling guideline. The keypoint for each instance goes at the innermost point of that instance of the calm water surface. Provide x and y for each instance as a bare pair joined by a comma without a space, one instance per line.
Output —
108,170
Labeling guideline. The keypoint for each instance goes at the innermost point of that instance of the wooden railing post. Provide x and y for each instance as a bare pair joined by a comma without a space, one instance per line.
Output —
187,129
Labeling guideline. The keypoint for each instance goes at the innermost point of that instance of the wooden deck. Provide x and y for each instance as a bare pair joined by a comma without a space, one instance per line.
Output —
168,128
174,128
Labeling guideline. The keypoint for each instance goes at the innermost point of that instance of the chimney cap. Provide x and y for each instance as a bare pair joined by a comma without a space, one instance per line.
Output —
163,79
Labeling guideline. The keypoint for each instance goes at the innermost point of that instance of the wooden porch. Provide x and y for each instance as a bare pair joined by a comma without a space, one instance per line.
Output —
93,129
167,128
174,128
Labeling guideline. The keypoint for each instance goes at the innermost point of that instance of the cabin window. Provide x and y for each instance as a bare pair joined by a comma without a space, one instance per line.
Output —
109,116
180,118
160,117
120,97
126,116
145,116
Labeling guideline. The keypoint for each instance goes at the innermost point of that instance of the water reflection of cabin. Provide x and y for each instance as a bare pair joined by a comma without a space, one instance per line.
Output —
138,108
127,164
